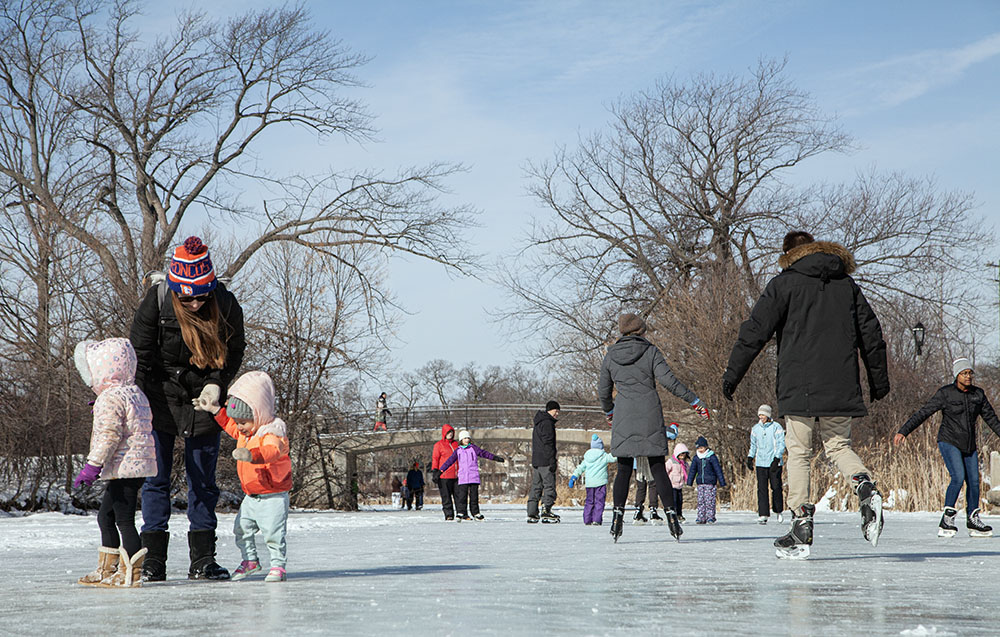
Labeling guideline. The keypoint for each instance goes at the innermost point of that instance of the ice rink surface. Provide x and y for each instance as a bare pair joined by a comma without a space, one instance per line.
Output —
386,572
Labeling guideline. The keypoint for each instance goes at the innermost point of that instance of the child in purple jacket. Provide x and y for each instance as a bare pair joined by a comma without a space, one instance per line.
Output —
467,492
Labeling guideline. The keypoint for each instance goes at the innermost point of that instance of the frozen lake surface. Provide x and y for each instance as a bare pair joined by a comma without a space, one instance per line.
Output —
388,572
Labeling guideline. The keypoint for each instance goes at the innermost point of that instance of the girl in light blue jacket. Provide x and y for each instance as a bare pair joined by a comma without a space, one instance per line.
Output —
767,446
595,471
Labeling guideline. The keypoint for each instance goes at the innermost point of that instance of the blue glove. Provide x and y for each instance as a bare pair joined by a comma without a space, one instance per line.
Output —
572,481
672,431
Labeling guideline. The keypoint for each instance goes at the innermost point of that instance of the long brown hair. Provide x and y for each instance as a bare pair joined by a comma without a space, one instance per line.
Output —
200,331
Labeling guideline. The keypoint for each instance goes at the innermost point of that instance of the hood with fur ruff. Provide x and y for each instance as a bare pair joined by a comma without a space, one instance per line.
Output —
819,247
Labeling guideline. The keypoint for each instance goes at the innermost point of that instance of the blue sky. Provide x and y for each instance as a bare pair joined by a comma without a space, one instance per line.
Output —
494,85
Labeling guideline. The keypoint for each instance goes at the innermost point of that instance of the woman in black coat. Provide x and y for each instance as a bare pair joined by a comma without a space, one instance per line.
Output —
189,340
961,404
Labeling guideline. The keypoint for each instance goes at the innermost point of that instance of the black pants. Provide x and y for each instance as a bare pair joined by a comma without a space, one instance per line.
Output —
415,494
769,476
467,499
640,493
447,488
661,482
543,487
116,517
679,501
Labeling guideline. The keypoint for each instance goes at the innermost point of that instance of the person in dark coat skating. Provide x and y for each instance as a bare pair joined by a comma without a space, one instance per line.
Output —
961,404
634,366
821,322
543,465
415,481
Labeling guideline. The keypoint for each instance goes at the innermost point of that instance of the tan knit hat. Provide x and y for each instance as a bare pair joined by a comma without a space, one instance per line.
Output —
629,323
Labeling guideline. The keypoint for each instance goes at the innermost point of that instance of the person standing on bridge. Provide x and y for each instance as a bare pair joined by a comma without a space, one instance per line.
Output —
543,465
633,365
382,412
446,481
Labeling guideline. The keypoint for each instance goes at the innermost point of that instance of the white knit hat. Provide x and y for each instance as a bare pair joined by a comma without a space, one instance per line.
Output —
764,409
960,365
462,435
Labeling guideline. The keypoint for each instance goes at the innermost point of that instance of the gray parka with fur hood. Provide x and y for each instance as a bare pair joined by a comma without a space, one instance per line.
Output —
633,365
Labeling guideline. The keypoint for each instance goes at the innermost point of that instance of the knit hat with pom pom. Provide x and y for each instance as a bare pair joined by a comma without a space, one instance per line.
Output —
191,272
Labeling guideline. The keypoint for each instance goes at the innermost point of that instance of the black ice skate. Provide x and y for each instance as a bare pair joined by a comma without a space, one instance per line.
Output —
548,517
976,526
947,526
639,519
871,507
533,518
617,522
795,544
674,524
654,517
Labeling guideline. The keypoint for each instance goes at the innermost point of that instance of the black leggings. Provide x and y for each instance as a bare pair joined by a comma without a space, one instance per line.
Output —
117,514
657,466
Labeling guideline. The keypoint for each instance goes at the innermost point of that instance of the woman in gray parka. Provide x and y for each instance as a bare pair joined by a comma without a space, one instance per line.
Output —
633,365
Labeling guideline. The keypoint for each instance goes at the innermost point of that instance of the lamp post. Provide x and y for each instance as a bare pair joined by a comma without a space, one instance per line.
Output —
918,336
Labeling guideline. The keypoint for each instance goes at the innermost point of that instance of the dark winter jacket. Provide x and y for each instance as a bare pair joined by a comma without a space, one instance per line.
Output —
543,440
633,365
165,373
959,411
442,450
707,470
415,479
821,321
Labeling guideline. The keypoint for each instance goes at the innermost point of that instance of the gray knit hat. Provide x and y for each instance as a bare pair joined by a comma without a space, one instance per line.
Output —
960,365
236,408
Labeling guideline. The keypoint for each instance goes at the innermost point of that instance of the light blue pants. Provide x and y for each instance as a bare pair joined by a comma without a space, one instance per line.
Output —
267,513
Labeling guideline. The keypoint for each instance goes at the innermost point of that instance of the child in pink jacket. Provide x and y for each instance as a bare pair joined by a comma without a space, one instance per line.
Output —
122,452
677,470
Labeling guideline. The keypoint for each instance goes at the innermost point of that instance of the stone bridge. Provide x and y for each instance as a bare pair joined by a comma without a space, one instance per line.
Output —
510,423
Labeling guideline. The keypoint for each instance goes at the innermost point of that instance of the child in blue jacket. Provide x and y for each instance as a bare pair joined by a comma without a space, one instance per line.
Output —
594,468
707,472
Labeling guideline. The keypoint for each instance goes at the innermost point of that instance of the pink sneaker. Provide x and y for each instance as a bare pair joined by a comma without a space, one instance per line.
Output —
246,568
276,574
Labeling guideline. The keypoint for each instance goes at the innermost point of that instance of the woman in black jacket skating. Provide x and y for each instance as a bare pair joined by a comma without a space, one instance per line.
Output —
961,403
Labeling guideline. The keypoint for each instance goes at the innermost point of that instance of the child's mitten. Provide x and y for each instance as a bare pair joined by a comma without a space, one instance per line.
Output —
87,475
242,454
572,481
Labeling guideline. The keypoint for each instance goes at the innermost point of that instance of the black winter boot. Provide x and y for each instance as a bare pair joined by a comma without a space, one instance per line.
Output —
617,522
154,568
201,547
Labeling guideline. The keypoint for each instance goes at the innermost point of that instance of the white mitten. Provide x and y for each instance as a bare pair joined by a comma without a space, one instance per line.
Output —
208,400
242,454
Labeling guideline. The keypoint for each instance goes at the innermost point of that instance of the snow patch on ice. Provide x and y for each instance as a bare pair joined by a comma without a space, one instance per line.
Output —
824,503
896,495
922,630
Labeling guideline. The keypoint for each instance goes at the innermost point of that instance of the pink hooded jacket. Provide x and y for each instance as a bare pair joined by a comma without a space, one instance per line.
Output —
122,439
676,469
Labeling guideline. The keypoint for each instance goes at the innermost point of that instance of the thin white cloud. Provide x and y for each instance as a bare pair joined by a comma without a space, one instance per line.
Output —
903,78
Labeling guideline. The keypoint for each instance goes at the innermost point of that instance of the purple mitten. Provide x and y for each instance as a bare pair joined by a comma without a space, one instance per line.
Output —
87,475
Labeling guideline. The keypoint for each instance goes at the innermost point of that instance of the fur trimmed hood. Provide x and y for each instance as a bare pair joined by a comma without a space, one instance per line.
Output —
819,247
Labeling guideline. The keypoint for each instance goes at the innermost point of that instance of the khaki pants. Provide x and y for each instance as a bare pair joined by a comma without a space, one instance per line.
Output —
835,432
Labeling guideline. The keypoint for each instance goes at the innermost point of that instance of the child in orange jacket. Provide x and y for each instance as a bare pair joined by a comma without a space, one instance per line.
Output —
264,468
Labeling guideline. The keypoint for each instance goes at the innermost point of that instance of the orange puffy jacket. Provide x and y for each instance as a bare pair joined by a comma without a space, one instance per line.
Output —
270,469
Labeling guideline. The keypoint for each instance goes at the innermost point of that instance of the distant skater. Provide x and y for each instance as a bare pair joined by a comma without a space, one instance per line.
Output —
706,471
594,470
767,446
467,456
446,481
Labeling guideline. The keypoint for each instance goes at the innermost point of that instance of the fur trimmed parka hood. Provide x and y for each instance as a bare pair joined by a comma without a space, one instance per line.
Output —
819,247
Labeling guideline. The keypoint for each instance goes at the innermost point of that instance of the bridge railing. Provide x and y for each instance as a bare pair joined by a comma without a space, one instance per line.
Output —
468,416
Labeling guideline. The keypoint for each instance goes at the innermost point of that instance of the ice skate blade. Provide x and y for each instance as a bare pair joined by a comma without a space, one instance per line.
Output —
873,529
638,523
657,523
797,552
980,533
946,533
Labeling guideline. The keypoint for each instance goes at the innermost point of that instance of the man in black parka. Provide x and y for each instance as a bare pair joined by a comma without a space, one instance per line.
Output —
821,322
543,464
